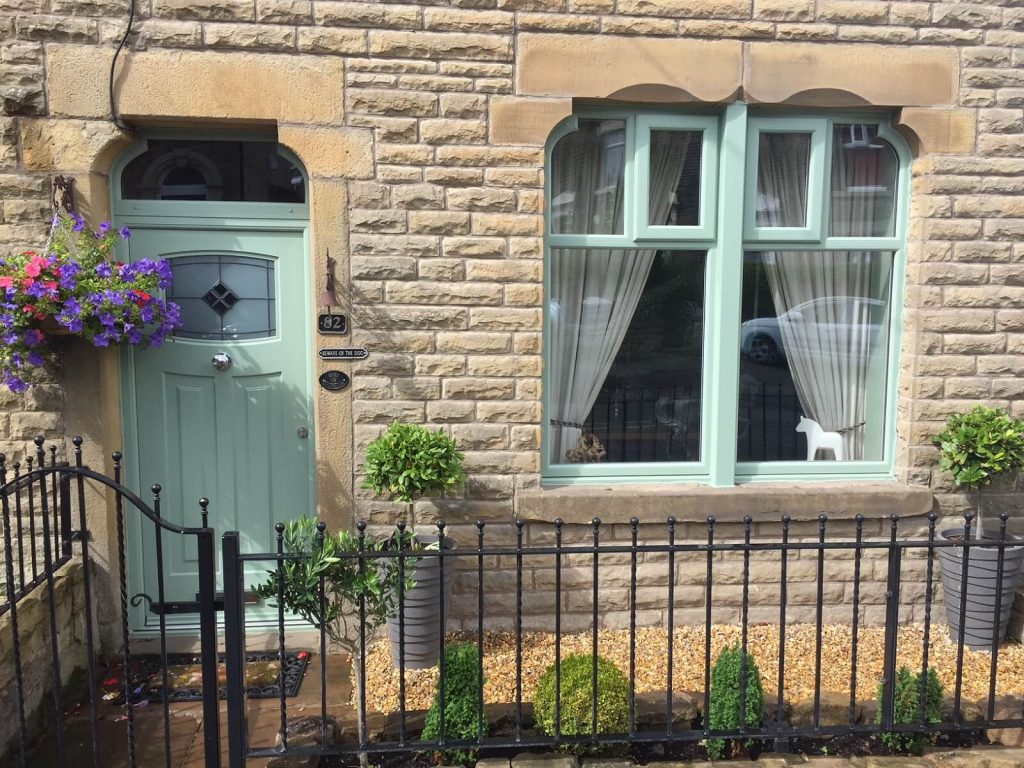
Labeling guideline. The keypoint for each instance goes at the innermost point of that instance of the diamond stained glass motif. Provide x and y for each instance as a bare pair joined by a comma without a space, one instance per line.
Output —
220,298
224,297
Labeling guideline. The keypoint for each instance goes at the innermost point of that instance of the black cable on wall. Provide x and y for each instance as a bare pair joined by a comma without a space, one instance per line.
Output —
113,65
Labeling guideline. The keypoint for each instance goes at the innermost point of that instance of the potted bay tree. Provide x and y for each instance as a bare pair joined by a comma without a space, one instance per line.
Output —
979,447
408,462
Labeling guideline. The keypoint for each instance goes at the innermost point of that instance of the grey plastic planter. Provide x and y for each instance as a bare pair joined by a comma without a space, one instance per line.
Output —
422,613
980,615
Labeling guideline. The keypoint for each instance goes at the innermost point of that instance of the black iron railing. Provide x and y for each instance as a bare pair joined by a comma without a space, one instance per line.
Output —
44,520
723,558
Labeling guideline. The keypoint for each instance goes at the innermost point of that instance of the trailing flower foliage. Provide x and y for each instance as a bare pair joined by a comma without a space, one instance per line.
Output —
75,286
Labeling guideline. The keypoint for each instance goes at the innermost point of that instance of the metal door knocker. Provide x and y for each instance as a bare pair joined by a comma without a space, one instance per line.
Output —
221,361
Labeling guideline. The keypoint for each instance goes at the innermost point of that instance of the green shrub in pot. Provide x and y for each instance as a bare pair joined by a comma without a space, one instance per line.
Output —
407,462
975,448
979,446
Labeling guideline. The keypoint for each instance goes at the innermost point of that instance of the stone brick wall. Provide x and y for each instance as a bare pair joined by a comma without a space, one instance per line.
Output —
443,250
34,642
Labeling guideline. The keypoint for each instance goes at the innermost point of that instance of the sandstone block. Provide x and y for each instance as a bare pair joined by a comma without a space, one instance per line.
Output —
219,10
423,292
784,10
440,365
462,105
442,269
474,247
504,224
460,20
327,40
453,131
558,22
507,319
392,102
509,412
418,196
264,37
416,246
467,341
386,411
719,9
503,365
480,436
347,14
441,45
439,223
444,411
478,388
482,199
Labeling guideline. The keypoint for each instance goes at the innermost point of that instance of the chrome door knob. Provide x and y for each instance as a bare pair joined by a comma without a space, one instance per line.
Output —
221,361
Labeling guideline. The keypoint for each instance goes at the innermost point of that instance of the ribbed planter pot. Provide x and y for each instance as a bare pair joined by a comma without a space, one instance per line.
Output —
981,613
422,615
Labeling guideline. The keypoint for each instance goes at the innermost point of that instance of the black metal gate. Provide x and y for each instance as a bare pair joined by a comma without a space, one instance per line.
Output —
45,526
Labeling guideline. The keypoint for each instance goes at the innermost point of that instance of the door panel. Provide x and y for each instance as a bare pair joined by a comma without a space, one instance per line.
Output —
230,434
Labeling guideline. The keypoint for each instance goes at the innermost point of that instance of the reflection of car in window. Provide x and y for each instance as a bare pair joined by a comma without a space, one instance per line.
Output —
846,317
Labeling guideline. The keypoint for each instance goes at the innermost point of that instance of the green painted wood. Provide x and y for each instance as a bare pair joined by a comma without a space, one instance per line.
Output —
725,238
229,435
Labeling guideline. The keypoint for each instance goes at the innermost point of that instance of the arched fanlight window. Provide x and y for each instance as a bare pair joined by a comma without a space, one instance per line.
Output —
240,171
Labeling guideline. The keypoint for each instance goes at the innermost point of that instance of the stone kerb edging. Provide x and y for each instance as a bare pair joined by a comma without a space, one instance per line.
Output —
977,757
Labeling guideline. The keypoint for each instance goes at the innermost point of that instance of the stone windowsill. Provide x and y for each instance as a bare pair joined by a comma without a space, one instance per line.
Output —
693,503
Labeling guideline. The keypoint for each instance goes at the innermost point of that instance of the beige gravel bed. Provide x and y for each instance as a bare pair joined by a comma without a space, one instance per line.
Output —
688,661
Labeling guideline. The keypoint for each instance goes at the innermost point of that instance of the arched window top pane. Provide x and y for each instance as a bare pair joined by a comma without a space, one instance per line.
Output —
865,170
238,171
587,172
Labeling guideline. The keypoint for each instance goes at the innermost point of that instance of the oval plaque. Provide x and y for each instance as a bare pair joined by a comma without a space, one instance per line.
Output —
335,381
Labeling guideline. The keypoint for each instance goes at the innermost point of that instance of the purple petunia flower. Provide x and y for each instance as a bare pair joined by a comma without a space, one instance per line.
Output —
124,232
103,269
79,223
105,227
34,358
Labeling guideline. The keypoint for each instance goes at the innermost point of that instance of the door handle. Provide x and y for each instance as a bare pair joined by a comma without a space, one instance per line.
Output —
221,361
302,432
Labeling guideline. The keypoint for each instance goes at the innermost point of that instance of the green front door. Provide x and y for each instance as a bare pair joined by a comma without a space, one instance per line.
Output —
223,408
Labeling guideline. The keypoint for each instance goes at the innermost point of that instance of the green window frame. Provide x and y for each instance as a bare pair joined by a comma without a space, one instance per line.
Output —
725,232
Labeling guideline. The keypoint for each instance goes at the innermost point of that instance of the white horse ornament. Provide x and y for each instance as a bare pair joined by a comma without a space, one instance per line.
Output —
819,439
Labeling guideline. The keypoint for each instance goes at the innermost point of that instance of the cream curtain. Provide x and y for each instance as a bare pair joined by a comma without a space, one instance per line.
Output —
828,323
594,292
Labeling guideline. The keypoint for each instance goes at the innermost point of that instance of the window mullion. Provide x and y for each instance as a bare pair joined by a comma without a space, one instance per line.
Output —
725,273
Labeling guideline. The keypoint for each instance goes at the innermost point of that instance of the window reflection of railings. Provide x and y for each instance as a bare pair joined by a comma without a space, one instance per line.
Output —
768,414
647,423
663,423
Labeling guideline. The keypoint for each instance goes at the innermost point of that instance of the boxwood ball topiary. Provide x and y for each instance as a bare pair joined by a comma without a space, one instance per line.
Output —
463,719
725,714
577,684
906,709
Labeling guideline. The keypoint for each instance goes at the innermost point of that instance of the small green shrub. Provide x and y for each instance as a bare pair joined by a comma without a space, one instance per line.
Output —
724,711
409,461
577,683
906,702
462,716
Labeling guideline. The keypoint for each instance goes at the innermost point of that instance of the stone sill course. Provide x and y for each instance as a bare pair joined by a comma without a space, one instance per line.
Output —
688,502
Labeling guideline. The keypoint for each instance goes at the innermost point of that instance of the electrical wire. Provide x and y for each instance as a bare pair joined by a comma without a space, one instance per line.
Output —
113,65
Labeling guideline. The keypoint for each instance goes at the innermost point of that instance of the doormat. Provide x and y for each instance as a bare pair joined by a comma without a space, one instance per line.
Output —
185,678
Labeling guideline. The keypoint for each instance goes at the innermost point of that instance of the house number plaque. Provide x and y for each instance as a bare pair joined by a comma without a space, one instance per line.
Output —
329,325
335,381
343,353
